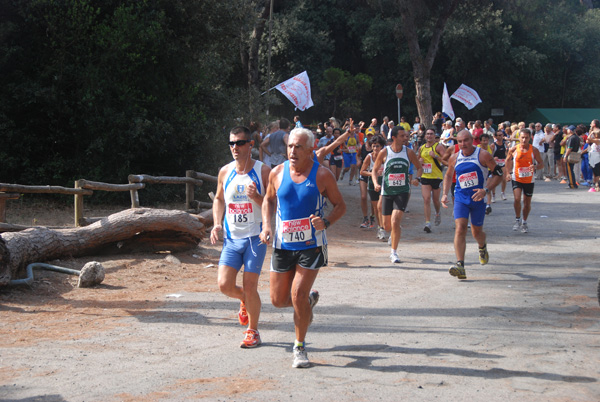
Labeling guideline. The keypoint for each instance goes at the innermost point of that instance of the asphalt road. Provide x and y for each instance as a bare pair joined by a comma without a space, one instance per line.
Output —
525,327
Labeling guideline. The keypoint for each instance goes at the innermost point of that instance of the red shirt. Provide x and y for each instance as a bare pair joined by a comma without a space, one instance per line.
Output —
477,136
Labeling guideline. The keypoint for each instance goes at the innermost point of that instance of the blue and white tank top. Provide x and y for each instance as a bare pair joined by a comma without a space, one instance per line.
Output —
243,217
295,203
470,175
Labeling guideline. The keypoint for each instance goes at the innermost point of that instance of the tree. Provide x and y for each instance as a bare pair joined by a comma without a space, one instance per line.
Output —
345,90
416,14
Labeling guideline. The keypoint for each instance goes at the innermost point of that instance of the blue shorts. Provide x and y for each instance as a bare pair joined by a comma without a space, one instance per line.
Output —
476,209
249,252
349,160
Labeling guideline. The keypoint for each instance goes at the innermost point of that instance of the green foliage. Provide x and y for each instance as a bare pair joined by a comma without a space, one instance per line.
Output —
345,91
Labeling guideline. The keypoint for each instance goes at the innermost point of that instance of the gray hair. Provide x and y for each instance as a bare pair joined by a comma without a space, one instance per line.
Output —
310,138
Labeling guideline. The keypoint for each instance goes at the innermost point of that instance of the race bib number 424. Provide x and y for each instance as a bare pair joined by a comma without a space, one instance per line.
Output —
240,213
296,230
397,179
467,180
526,171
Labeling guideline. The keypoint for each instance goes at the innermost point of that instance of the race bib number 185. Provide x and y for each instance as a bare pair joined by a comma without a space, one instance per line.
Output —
240,213
296,230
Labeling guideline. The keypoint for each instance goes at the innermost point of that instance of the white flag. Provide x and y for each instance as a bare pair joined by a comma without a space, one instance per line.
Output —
446,104
467,96
297,90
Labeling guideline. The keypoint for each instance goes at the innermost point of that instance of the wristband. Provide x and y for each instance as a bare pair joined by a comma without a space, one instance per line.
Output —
327,223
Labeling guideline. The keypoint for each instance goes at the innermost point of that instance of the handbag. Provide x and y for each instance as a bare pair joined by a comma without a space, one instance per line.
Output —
574,157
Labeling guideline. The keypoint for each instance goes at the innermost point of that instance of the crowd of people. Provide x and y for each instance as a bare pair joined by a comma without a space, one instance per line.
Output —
294,174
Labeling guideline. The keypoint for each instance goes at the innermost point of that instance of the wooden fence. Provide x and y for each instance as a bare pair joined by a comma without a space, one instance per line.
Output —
83,188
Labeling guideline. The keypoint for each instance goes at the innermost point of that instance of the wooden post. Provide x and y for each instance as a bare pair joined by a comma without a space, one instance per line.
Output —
78,203
189,189
2,210
135,198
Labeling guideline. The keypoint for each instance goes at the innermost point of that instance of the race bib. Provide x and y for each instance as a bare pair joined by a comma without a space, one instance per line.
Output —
526,171
427,168
337,157
501,162
397,179
296,230
467,180
240,213
351,149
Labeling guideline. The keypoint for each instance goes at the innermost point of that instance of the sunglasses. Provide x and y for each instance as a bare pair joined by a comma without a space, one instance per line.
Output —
239,143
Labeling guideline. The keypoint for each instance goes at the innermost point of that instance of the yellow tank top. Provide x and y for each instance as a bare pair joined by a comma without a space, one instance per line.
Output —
430,167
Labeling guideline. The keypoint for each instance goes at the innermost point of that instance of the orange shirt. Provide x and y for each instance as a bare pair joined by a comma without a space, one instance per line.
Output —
523,165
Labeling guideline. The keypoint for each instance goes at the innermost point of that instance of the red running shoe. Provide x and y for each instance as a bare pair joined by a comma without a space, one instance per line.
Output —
243,314
251,340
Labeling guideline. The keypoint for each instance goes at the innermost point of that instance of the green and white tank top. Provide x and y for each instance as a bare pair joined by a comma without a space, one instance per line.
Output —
395,172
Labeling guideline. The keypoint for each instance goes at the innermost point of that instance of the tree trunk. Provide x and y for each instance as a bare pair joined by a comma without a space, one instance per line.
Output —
252,57
148,227
410,11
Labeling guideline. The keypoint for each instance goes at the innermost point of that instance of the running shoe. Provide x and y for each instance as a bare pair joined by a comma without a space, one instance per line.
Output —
493,198
243,314
584,183
300,358
484,257
524,228
251,340
563,181
365,223
350,183
389,240
427,227
372,222
517,225
488,209
592,190
394,258
438,219
458,270
503,196
313,299
380,233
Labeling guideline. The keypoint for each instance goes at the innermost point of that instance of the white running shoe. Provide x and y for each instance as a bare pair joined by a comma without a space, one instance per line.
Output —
503,196
524,228
517,225
300,358
493,198
394,258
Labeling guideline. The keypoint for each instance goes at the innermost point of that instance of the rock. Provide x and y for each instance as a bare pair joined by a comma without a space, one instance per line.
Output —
91,274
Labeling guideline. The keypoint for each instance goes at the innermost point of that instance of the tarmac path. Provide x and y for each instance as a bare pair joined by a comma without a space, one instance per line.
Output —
525,327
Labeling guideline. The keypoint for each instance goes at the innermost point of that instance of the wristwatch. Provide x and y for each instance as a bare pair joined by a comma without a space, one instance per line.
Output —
327,223
487,190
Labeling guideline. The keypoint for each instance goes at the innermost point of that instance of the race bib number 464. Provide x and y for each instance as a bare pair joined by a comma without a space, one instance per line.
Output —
240,213
467,180
526,171
296,230
397,179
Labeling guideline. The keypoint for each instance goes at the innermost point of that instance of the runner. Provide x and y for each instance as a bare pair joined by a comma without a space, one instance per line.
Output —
430,154
377,144
520,169
485,144
500,158
337,160
350,149
297,189
395,187
240,190
471,165
363,180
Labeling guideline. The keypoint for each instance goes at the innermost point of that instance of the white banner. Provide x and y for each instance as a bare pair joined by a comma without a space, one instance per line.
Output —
467,96
446,104
297,90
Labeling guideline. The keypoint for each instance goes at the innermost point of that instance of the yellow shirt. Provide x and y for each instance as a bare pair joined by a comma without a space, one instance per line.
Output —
430,167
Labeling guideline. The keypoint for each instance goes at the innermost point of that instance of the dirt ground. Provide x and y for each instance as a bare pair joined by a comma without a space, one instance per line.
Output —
158,329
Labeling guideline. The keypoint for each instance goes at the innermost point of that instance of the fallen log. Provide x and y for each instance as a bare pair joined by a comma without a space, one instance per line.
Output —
155,228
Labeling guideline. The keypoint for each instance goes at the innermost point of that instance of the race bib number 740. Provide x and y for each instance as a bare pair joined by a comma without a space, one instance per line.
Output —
296,230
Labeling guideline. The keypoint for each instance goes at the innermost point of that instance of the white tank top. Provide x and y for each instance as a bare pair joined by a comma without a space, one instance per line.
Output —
243,216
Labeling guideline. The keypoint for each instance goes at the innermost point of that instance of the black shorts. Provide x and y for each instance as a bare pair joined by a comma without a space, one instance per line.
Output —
338,163
374,195
434,183
286,260
391,202
527,188
596,169
363,178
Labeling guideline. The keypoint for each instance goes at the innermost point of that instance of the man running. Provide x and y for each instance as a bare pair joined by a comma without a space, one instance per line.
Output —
520,169
471,165
297,188
377,144
240,191
395,189
430,154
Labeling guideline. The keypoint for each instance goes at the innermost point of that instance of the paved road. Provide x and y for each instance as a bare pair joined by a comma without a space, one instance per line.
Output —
525,327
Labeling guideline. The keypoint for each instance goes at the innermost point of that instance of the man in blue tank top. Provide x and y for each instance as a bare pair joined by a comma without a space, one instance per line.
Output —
471,165
297,188
237,212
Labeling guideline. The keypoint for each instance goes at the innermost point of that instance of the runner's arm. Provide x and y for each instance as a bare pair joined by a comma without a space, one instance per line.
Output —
509,163
448,180
328,187
376,166
218,208
538,159
269,203
364,169
415,161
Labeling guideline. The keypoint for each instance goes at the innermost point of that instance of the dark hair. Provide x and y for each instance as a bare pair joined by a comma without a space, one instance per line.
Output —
482,136
377,139
526,131
429,128
284,123
337,129
241,130
254,126
395,130
596,122
558,126
579,131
